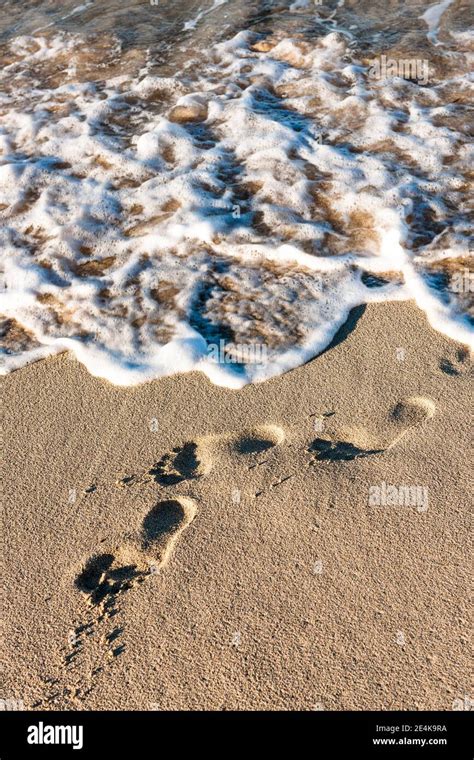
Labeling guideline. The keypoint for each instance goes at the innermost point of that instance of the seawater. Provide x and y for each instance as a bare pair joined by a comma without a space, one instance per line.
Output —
186,183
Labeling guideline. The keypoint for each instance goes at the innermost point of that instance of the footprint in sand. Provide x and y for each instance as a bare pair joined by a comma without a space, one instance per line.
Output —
195,459
106,577
162,528
183,463
339,451
406,415
260,439
458,364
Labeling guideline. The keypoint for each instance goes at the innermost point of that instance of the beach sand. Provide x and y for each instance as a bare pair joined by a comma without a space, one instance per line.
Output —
179,545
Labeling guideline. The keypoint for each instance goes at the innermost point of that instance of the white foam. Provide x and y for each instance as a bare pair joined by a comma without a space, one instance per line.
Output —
138,242
192,23
432,17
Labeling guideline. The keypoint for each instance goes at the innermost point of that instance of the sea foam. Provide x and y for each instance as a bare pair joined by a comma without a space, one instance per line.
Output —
253,199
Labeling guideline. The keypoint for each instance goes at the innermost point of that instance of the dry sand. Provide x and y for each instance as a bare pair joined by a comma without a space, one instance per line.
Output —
236,563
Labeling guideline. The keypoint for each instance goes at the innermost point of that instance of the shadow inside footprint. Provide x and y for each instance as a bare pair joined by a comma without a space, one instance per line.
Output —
94,572
339,451
260,439
182,464
163,520
251,445
458,364
99,579
448,368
